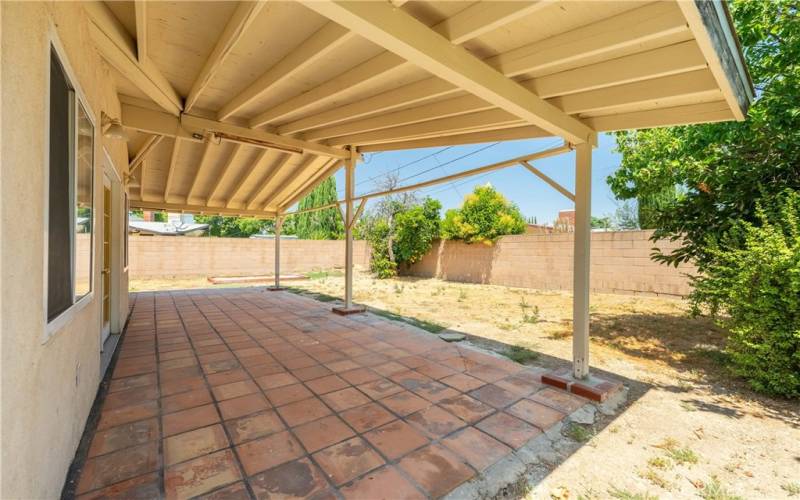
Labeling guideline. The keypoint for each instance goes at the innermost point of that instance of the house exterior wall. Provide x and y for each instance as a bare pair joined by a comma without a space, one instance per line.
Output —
48,382
166,256
620,263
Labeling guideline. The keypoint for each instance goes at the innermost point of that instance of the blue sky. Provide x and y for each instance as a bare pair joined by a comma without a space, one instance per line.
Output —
534,197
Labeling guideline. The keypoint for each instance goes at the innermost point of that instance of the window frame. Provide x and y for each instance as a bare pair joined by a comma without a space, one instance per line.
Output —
55,325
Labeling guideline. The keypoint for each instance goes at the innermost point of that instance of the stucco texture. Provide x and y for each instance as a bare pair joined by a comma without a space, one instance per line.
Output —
48,383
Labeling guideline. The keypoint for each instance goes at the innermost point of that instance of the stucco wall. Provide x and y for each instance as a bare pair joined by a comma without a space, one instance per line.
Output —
620,263
48,384
164,256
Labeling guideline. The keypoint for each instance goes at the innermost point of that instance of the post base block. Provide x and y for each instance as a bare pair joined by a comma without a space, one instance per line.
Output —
594,388
274,288
346,311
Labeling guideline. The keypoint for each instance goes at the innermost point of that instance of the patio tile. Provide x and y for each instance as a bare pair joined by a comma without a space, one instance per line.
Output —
311,372
322,433
494,396
479,449
185,400
436,469
360,376
254,426
243,405
383,484
562,401
130,397
276,380
118,466
380,388
535,413
345,398
268,452
389,368
182,447
367,417
435,421
508,429
236,491
234,390
227,377
144,486
124,415
395,439
435,370
303,411
466,408
186,420
200,475
463,382
346,461
327,384
123,436
410,379
404,403
288,394
183,385
435,391
122,384
296,479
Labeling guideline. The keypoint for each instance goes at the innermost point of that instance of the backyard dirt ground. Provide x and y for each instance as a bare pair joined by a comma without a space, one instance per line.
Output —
688,428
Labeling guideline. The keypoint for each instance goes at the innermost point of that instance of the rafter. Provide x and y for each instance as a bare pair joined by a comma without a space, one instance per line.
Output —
254,165
237,148
679,115
483,17
509,134
242,18
461,29
325,172
632,30
407,37
117,47
304,163
199,209
196,128
140,9
201,167
278,167
148,147
290,185
176,147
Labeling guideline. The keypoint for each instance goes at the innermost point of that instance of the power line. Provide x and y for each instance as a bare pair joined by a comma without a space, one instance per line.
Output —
449,162
413,162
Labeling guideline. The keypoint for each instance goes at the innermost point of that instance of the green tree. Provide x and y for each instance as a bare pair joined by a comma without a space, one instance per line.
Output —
484,216
232,227
704,179
324,224
601,222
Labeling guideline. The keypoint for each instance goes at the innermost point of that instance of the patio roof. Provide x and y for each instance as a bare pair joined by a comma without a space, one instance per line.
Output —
242,108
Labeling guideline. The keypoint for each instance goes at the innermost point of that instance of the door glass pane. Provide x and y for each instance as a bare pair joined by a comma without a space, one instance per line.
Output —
84,205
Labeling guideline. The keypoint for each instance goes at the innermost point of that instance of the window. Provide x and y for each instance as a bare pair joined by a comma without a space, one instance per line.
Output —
70,223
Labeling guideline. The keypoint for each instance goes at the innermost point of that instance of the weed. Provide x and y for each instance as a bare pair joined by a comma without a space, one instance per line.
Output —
615,492
532,317
683,456
462,295
521,354
428,326
523,304
318,275
655,479
688,406
715,491
579,433
398,289
792,489
506,326
662,463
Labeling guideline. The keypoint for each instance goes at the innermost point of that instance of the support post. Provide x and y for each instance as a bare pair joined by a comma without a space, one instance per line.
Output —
582,243
278,225
349,219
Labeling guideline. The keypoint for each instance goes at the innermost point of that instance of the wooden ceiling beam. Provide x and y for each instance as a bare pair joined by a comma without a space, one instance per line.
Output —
148,147
201,168
509,134
327,39
197,128
293,174
295,197
301,177
278,167
140,10
443,126
226,168
679,115
119,50
199,209
254,165
461,29
176,146
657,21
242,18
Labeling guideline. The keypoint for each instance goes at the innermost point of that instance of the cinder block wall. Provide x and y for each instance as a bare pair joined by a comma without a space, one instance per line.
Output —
177,256
620,263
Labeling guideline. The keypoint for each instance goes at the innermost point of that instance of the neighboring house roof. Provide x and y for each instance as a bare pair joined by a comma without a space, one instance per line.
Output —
164,228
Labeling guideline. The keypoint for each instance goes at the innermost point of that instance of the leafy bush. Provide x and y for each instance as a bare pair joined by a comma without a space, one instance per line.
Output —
753,288
402,237
484,216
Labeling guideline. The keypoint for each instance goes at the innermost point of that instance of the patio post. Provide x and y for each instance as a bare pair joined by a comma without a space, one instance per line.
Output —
278,227
349,188
582,243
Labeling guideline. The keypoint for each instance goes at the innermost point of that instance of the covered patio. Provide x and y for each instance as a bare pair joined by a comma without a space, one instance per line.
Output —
237,392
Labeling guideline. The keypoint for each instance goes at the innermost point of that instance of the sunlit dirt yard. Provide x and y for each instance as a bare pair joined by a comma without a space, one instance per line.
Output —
688,429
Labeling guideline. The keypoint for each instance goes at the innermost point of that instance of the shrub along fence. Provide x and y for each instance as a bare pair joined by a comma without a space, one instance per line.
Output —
620,260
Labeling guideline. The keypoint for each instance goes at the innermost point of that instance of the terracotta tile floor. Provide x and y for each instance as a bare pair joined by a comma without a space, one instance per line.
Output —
241,393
